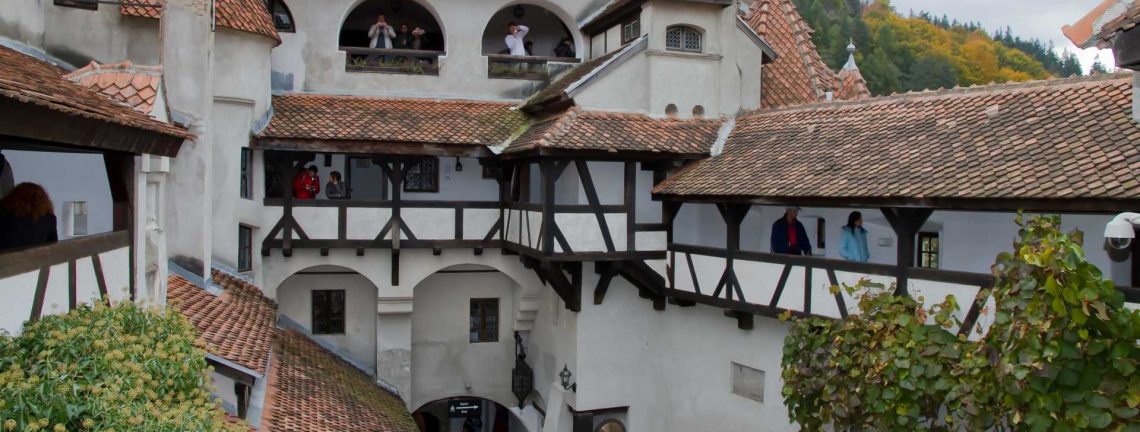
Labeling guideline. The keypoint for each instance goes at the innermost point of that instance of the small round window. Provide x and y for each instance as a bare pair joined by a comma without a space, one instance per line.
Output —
611,425
698,111
671,110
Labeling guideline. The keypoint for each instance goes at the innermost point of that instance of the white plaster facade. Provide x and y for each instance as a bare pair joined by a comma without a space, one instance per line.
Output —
671,368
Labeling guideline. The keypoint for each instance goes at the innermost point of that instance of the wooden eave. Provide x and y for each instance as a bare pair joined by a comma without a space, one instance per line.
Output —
604,22
599,155
1126,48
35,123
1071,205
371,147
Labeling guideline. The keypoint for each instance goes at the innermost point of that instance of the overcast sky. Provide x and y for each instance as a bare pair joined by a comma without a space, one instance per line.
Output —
1041,19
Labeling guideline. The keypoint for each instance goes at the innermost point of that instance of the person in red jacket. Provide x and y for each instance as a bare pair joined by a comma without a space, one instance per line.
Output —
307,185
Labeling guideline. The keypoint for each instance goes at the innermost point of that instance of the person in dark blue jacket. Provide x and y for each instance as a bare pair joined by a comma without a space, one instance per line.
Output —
789,236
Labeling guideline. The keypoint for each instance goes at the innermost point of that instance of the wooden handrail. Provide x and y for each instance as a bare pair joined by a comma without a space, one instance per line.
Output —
530,59
19,261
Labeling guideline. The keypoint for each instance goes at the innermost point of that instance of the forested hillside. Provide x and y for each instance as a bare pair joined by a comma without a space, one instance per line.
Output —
916,51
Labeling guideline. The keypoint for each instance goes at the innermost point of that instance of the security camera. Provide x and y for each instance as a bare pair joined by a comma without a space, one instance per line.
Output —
1120,230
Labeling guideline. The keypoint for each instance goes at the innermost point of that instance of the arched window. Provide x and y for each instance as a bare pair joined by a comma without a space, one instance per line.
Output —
683,38
392,36
282,18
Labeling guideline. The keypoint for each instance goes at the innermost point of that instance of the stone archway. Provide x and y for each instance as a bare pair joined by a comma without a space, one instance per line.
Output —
548,25
489,416
354,27
462,335
337,305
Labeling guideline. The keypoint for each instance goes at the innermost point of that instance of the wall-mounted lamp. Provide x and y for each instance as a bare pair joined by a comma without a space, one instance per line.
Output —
458,164
565,376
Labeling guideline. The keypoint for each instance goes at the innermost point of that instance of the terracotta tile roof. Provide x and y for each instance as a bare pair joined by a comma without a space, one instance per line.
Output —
798,76
1125,21
1069,139
312,390
136,86
239,325
852,86
357,118
577,129
243,15
29,80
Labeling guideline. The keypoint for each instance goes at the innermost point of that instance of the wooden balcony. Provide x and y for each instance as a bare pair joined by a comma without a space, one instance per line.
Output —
526,67
392,61
61,276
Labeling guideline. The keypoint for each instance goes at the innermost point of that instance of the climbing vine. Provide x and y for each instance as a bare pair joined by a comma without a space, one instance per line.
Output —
1061,353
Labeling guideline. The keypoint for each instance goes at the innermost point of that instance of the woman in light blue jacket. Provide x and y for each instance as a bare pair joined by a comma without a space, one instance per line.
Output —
853,244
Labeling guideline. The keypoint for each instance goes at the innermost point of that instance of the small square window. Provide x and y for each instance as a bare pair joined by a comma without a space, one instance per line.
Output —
77,211
484,320
928,250
422,176
245,248
681,38
328,311
630,30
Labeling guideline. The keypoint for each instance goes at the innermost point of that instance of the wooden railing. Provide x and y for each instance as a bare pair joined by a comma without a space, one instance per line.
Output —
17,266
397,61
524,67
690,267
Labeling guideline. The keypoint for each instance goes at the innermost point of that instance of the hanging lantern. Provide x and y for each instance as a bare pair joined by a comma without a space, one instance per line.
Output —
519,11
522,377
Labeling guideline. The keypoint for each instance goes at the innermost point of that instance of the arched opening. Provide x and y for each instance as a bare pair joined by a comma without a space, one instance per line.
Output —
463,336
523,50
683,38
337,306
399,36
282,18
466,414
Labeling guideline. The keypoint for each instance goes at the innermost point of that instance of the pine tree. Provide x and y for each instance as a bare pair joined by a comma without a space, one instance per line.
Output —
1098,67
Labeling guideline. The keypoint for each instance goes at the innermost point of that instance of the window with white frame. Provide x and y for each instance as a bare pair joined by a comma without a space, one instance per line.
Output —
630,30
683,38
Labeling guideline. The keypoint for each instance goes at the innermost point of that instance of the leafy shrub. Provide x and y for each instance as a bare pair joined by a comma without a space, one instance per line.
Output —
106,368
1062,353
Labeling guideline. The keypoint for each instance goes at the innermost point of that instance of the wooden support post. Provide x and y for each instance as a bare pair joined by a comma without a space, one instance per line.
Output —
905,222
669,211
546,239
733,215
606,271
630,205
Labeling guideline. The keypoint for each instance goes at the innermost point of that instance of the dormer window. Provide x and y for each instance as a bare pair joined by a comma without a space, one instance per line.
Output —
683,38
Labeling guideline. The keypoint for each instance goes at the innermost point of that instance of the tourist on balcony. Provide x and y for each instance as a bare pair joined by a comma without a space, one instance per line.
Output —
381,35
789,236
307,184
26,217
515,43
565,48
853,243
336,189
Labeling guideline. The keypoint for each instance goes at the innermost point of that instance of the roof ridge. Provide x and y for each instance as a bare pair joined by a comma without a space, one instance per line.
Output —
956,91
391,98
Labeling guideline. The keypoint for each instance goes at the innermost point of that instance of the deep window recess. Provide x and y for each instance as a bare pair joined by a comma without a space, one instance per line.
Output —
422,176
79,4
77,210
484,320
681,38
928,250
246,174
245,248
328,311
821,233
630,30
282,19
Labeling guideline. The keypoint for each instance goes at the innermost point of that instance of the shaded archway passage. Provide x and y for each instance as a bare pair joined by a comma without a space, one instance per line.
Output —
466,414
547,30
354,30
337,306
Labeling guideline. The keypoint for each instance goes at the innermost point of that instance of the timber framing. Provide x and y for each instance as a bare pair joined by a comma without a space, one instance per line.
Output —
1004,204
41,259
33,123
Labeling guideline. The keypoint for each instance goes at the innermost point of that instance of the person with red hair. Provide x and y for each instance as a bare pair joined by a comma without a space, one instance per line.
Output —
27,217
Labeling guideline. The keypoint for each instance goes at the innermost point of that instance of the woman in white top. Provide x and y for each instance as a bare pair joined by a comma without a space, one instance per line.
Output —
381,34
514,39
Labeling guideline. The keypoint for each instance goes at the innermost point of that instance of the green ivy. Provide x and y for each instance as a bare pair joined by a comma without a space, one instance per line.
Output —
107,368
1061,354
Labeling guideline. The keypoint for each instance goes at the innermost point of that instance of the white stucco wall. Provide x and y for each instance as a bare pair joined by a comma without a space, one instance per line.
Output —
294,300
445,362
17,293
673,368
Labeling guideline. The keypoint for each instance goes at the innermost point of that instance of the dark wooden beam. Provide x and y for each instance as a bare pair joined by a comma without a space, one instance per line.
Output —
371,147
32,122
595,203
30,259
905,222
548,168
606,272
